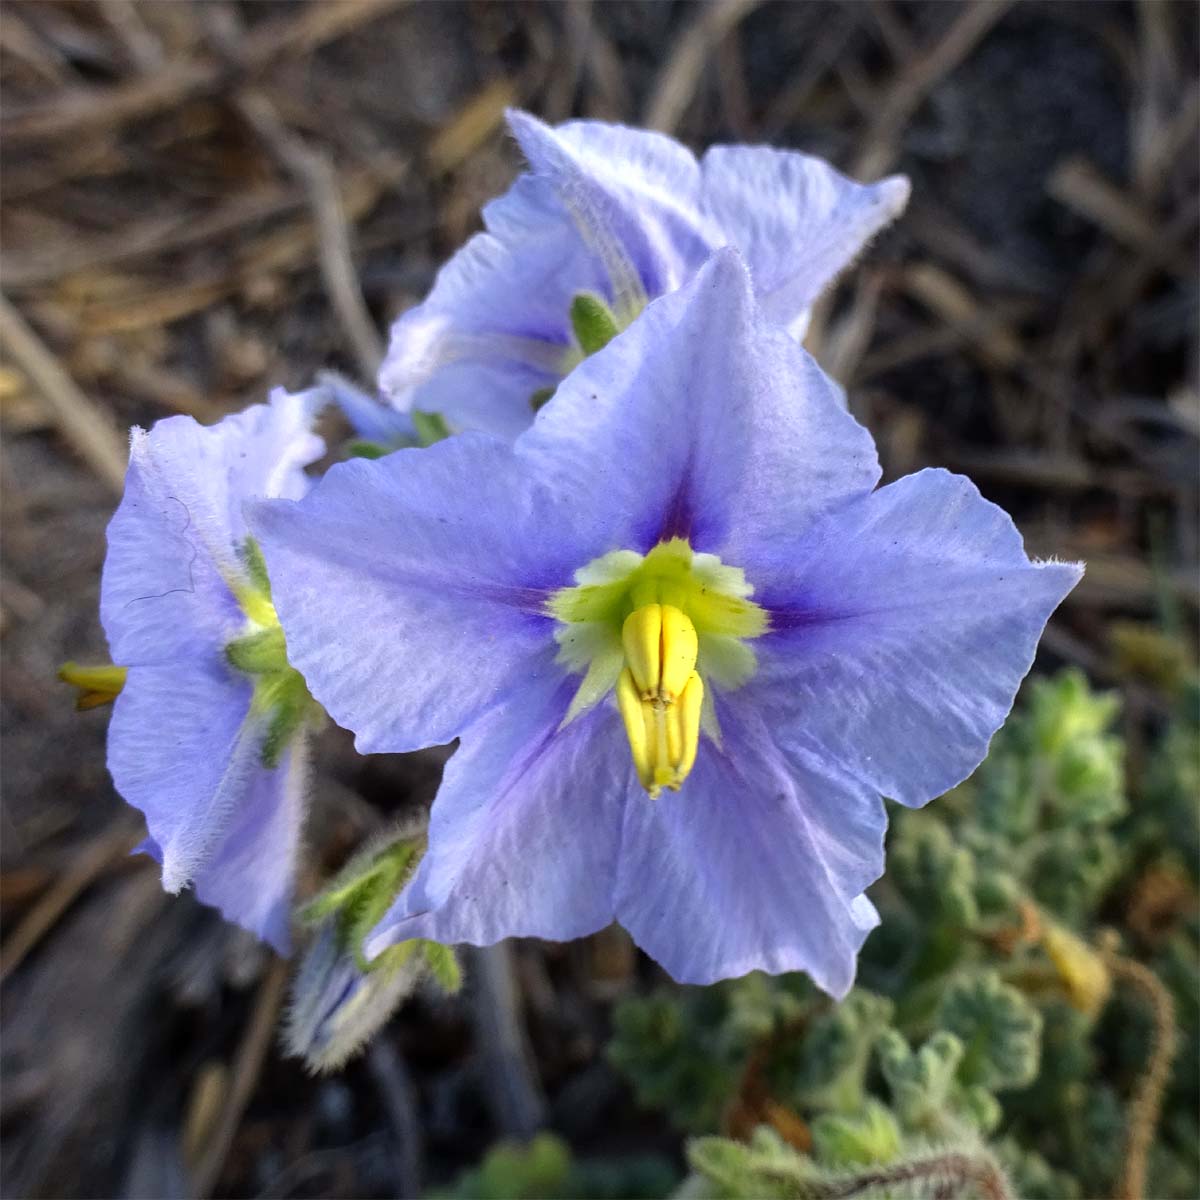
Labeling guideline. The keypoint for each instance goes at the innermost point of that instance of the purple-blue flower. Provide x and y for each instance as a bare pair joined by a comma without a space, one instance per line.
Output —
207,733
624,216
686,642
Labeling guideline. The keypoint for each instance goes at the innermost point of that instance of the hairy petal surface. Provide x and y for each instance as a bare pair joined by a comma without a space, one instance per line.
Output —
797,221
755,864
251,875
630,193
524,837
182,749
904,624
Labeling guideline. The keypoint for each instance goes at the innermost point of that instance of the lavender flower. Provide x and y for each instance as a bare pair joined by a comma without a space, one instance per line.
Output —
609,219
206,731
686,643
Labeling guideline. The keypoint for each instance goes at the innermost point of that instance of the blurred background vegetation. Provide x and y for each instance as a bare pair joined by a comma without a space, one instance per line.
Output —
203,200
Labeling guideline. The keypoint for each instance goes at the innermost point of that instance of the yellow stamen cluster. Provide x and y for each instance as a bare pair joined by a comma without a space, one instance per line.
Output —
660,694
664,631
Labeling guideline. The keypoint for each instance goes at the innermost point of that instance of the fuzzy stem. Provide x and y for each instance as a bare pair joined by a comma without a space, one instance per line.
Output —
1146,1104
949,1174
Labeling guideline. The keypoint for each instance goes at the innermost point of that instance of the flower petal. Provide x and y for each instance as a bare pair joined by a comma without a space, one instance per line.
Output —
180,749
755,864
913,616
371,418
251,876
631,193
797,221
173,542
411,588
525,831
702,420
495,328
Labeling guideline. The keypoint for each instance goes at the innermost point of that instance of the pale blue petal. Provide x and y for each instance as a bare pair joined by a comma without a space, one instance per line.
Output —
371,418
179,749
241,855
755,864
630,192
495,328
797,221
183,746
412,588
525,832
904,624
173,542
703,421
251,876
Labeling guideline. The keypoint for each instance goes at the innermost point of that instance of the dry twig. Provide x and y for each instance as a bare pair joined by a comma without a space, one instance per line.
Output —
86,426
513,1092
316,174
83,871
247,1067
881,146
676,85
88,110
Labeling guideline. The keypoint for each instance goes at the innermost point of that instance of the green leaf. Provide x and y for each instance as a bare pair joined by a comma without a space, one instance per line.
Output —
999,1028
826,1067
538,1170
936,875
860,1139
920,1082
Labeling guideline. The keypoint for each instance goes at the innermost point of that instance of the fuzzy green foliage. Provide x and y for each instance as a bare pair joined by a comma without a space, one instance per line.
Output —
965,1027
1000,1031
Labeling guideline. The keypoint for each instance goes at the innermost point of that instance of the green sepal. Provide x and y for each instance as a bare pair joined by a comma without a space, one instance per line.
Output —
443,965
435,959
287,698
263,652
363,890
541,398
593,322
430,427
362,448
256,566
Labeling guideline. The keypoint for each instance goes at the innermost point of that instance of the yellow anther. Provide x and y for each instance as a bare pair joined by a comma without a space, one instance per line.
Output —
687,720
663,734
680,647
638,717
641,638
660,646
97,685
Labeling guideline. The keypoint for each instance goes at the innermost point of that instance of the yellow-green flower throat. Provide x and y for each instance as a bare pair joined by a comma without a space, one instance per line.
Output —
654,628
